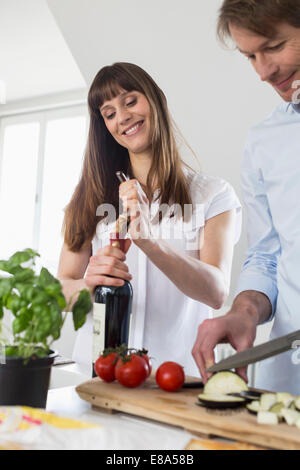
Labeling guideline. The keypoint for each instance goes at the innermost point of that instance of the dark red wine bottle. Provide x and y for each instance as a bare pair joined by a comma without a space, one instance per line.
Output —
111,312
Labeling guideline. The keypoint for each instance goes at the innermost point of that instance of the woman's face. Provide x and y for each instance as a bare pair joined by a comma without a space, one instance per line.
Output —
127,117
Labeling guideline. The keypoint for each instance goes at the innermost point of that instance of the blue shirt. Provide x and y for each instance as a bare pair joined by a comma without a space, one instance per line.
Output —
271,191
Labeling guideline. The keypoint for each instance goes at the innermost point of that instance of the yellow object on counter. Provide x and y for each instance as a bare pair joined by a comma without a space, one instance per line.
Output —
24,427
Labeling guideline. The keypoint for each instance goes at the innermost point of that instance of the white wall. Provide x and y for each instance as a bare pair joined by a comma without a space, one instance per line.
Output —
213,94
35,59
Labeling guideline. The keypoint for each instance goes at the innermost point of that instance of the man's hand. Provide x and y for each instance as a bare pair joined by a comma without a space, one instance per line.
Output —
236,328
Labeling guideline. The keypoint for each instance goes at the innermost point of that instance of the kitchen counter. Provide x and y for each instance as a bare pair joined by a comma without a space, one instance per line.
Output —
125,432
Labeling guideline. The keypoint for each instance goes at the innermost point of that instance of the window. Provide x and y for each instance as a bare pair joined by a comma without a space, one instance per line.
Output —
41,156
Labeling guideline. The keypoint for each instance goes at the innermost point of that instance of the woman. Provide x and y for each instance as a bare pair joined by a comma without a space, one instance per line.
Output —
177,275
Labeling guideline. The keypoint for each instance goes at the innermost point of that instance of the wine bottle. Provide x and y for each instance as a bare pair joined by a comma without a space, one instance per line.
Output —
111,312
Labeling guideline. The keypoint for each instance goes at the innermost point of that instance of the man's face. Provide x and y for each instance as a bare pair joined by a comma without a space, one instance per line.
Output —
276,60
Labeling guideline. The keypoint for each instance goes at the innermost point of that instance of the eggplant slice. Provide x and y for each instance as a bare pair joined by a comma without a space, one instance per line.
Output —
248,395
220,401
225,382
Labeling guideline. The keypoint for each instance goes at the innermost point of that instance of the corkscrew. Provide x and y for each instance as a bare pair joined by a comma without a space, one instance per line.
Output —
121,176
123,219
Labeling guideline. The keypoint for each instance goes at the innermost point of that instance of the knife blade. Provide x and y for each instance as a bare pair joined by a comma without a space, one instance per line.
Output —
257,353
195,384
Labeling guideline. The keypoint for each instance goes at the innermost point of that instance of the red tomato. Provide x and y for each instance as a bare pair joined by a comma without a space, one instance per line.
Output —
170,376
133,372
149,364
105,367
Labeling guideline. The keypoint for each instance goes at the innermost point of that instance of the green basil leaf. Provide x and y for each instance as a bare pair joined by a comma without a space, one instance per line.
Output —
45,278
24,275
53,289
22,257
19,324
11,351
13,303
4,266
56,319
81,308
39,297
41,352
44,324
28,293
26,313
6,285
61,301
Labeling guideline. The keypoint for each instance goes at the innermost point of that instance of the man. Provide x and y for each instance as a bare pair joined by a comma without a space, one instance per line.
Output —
267,32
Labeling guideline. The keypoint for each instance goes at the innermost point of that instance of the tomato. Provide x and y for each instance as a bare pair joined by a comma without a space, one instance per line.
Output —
149,364
105,366
132,371
170,376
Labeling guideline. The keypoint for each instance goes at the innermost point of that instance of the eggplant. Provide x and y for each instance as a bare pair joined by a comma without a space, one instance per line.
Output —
218,400
223,383
267,417
250,395
267,400
290,416
285,398
253,407
277,408
297,403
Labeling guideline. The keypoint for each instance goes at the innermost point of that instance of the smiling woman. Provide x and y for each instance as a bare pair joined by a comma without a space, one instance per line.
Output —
117,117
116,90
176,275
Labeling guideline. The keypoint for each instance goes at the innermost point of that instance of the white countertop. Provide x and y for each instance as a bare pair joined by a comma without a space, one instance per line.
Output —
124,432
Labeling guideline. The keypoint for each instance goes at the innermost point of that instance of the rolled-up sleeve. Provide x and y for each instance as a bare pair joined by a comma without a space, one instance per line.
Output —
259,271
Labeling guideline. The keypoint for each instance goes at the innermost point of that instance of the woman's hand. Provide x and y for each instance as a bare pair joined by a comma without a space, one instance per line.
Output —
107,267
135,203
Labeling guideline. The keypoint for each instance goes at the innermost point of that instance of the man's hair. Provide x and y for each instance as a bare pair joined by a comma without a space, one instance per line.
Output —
258,16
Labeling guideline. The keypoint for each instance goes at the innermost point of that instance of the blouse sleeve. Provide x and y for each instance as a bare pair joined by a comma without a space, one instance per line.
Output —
221,198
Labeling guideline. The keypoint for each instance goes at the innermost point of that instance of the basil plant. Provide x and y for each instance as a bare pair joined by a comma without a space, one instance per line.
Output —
38,306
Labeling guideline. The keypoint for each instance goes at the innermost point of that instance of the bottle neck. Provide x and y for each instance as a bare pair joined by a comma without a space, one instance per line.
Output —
116,241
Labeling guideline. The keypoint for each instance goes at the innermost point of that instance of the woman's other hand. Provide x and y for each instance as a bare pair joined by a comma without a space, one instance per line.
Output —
135,203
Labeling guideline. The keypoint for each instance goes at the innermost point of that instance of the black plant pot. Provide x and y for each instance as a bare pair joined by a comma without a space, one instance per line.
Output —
25,384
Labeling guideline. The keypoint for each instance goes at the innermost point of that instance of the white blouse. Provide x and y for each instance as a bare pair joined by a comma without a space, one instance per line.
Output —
164,320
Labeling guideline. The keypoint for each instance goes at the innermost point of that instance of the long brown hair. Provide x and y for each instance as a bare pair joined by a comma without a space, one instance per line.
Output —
259,16
104,156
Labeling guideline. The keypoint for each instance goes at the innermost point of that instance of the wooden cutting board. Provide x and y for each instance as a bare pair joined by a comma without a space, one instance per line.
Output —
180,409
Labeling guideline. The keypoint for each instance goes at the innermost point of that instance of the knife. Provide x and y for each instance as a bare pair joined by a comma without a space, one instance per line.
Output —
193,384
257,353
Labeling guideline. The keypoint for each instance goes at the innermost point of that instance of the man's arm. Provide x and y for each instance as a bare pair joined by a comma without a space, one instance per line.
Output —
256,297
237,327
255,304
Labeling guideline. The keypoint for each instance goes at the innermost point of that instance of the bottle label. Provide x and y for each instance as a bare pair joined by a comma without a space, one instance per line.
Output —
98,330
